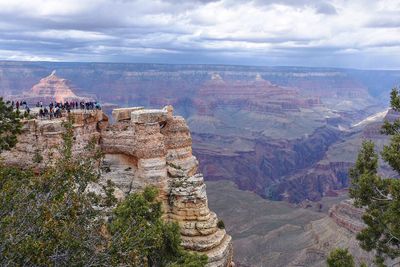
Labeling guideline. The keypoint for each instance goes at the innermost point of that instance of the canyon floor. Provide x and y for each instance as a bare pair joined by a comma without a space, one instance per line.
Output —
276,233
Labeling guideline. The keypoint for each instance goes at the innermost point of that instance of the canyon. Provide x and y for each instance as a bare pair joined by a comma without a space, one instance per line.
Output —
274,143
271,130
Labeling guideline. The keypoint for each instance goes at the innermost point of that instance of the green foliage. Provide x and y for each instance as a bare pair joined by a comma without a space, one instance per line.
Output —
48,219
37,157
363,174
340,258
110,199
10,126
379,196
221,224
136,226
190,260
174,166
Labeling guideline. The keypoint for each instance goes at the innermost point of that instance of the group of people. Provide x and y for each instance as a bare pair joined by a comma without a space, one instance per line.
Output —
54,110
72,105
21,105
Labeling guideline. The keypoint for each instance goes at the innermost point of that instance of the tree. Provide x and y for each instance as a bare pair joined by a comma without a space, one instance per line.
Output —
136,226
340,258
379,196
49,219
10,126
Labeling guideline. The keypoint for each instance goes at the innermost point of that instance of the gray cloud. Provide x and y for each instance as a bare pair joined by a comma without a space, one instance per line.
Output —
200,31
385,22
326,8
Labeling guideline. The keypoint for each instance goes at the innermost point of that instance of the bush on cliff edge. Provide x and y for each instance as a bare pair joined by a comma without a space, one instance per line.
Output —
10,125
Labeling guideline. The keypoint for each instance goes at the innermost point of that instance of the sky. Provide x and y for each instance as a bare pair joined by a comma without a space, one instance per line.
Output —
333,33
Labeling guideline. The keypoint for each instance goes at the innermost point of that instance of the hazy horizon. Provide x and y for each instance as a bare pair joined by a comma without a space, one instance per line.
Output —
202,64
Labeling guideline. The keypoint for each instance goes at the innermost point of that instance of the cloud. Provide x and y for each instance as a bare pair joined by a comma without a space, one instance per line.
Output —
385,21
326,8
262,32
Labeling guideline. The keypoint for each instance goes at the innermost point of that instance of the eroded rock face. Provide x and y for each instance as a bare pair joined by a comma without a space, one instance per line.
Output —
143,147
346,215
51,88
339,230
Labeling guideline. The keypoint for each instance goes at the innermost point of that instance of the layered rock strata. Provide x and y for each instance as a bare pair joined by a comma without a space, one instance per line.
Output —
347,216
339,230
142,147
49,89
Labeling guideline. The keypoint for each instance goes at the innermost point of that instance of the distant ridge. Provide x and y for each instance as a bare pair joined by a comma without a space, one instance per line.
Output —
49,89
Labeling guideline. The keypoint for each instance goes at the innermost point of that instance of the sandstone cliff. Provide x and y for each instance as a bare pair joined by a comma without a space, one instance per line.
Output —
143,147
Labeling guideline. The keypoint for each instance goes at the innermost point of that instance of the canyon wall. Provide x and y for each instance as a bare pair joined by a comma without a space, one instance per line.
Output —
337,230
277,131
281,234
143,147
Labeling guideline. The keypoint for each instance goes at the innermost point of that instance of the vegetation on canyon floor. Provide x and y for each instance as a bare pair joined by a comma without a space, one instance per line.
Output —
47,217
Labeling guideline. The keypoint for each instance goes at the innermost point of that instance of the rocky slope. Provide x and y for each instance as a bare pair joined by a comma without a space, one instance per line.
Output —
280,234
143,147
337,230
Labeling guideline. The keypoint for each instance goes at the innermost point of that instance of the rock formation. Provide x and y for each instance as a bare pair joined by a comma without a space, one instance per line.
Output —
51,88
265,128
347,216
143,147
339,229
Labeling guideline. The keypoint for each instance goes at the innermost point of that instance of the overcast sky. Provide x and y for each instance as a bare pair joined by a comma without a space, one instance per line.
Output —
341,33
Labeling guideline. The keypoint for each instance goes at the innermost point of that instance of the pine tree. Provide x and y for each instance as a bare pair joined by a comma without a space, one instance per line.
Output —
379,196
10,126
340,258
136,226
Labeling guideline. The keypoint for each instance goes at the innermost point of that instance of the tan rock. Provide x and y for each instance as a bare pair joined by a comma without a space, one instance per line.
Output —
121,114
148,116
170,110
142,147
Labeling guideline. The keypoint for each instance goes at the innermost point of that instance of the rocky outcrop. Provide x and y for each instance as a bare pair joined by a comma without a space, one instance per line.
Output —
337,230
142,147
43,137
326,235
347,216
50,89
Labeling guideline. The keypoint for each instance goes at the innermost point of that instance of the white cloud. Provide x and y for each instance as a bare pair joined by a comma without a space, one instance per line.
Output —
69,34
256,29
